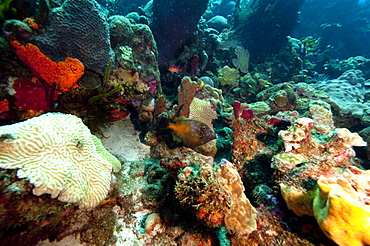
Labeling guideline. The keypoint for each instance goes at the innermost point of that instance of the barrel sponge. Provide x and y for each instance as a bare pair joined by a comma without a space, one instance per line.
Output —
57,154
78,29
342,207
241,218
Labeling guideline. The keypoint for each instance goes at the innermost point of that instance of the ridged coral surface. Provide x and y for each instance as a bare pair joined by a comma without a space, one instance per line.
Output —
59,156
79,29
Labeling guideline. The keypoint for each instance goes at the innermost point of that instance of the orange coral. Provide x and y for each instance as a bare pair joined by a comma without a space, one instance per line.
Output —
65,74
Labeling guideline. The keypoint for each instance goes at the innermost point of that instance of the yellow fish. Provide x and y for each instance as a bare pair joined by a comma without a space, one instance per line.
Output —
190,132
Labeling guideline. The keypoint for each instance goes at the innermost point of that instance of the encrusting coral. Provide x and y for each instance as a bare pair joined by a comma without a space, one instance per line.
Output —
57,153
65,74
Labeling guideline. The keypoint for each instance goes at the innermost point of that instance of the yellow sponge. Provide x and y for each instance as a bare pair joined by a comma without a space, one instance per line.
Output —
341,212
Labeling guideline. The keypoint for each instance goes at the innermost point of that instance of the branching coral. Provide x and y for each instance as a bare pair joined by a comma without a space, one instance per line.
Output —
64,74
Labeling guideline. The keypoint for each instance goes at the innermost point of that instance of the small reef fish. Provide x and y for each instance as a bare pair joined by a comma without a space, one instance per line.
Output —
190,132
174,69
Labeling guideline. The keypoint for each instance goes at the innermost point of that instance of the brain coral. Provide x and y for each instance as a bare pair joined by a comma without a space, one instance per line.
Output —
58,155
78,29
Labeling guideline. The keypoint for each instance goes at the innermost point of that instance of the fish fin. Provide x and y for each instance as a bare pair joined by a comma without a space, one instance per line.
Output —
176,138
180,118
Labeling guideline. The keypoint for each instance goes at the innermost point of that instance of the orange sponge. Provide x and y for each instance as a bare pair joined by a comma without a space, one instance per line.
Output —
4,106
65,74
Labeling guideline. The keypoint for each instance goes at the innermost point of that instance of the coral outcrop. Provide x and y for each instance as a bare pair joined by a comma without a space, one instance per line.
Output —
59,156
214,194
319,177
349,104
78,29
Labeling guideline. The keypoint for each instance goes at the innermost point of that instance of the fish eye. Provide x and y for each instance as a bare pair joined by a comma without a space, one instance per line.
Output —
203,127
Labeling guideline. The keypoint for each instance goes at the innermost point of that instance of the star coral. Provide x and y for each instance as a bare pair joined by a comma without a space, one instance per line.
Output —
65,74
59,156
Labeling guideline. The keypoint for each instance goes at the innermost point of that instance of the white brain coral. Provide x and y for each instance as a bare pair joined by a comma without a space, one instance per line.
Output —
57,153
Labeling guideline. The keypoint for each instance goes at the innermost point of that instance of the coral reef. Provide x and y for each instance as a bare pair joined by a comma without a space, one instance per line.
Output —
59,156
214,194
229,73
76,24
311,182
